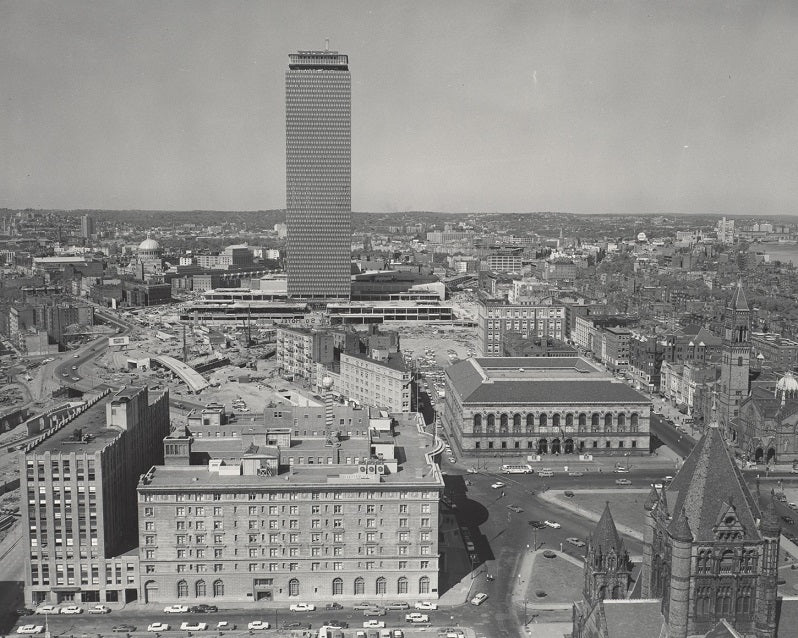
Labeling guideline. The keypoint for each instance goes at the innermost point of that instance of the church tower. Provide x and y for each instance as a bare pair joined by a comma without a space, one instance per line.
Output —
607,564
736,359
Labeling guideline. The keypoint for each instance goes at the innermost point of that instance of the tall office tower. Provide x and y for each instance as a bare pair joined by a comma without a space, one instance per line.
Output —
86,226
318,99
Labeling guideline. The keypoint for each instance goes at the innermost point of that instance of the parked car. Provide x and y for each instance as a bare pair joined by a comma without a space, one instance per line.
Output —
333,606
576,473
335,624
295,625
71,610
158,626
23,611
576,542
362,606
30,629
123,628
204,609
621,470
479,599
257,625
373,624
176,609
623,481
302,607
46,609
400,606
416,617
193,626
426,605
224,625
497,485
374,611
552,524
99,609
537,524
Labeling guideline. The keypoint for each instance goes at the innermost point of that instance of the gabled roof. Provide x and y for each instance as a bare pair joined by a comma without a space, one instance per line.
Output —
738,301
722,630
708,338
709,482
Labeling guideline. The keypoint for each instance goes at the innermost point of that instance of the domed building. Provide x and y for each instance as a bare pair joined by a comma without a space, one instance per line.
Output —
149,249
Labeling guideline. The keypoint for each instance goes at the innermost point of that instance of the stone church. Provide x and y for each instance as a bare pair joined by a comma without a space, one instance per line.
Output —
710,560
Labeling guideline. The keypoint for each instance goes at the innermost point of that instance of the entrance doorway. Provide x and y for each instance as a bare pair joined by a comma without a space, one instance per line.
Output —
543,446
555,446
569,446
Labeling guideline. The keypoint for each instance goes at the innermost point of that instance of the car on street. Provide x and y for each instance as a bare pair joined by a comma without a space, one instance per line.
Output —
333,606
158,626
30,629
74,367
123,628
193,626
46,609
224,625
373,624
295,625
71,610
23,611
576,542
576,473
374,611
416,617
426,606
621,470
362,606
99,609
204,609
335,624
537,524
623,482
515,509
497,485
479,599
76,378
398,606
794,470
302,607
552,524
472,470
176,609
75,356
656,486
257,625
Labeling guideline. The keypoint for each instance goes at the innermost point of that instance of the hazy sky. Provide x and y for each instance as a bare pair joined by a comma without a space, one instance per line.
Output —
629,107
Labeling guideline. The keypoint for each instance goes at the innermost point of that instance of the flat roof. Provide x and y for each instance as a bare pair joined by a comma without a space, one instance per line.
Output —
413,469
92,422
394,361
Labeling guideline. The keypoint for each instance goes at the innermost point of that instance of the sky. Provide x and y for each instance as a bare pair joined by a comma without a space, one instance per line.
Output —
642,107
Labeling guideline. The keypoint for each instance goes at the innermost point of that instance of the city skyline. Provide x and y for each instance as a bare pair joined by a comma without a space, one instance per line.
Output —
628,108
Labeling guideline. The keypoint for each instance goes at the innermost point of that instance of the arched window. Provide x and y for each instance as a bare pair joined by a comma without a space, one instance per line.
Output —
218,588
723,602
516,423
727,562
293,587
381,585
703,603
621,420
594,420
491,421
423,585
338,586
182,589
744,600
607,420
543,420
477,421
401,585
199,589
360,586
569,420
477,429
503,421
582,420
555,420
633,421
530,422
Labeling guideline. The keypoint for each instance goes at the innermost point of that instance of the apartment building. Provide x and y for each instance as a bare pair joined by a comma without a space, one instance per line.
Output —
80,480
533,318
284,517
382,380
300,349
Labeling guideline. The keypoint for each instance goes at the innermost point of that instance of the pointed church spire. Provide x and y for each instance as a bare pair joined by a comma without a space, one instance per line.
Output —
680,527
738,301
605,536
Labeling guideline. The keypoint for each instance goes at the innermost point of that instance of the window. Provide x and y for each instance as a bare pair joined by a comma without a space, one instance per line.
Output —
218,588
401,585
338,587
199,589
182,589
381,585
423,585
293,587
360,586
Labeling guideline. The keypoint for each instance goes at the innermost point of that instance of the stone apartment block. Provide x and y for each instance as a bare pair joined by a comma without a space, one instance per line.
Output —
533,318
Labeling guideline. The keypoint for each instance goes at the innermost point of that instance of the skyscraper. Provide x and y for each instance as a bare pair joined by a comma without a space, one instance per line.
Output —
318,99
86,226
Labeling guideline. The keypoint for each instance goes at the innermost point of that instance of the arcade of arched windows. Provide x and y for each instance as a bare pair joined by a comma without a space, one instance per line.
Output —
512,422
726,561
